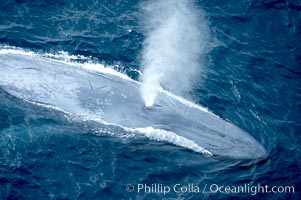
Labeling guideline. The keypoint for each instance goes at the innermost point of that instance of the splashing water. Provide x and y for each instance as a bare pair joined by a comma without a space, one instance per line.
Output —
177,35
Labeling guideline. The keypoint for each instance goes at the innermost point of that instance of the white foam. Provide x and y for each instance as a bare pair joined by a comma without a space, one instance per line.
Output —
156,135
47,106
69,60
167,136
14,50
187,103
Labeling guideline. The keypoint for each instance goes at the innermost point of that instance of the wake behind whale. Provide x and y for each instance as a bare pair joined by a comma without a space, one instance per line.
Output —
94,92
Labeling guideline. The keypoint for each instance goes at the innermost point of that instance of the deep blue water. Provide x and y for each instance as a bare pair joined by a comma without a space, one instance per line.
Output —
253,80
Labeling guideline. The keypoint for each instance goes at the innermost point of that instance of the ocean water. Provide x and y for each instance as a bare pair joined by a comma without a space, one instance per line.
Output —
252,78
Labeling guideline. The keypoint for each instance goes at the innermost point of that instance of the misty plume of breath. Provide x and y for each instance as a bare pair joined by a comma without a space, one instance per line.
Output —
173,51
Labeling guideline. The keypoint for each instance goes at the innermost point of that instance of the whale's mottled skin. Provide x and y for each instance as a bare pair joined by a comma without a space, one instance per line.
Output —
116,99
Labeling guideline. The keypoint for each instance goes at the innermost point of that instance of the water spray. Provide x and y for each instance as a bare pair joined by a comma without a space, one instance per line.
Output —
176,36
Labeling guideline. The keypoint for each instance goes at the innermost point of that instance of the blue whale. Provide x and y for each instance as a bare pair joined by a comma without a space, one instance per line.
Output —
94,92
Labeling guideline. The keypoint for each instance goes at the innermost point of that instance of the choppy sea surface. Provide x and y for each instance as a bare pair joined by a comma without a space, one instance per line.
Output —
252,79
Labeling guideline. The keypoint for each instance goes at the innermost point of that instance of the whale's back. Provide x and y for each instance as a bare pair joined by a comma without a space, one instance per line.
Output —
115,99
